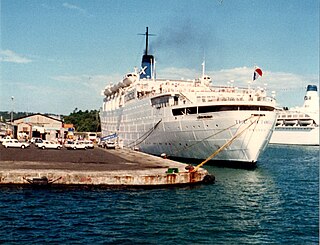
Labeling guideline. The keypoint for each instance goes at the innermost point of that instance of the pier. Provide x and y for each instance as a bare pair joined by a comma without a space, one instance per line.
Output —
93,168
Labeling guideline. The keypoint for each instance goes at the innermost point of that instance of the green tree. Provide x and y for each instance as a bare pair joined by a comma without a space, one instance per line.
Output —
84,121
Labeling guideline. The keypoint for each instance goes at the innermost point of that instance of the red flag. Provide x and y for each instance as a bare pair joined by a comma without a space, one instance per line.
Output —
257,73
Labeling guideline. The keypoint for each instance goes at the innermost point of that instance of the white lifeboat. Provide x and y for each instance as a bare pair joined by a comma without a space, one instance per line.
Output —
279,123
290,122
107,90
114,88
129,79
305,122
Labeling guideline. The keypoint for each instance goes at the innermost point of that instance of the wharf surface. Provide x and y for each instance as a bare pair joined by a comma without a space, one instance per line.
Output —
93,167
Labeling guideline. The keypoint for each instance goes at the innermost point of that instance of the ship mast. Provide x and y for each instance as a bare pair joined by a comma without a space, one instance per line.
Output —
147,34
147,39
203,68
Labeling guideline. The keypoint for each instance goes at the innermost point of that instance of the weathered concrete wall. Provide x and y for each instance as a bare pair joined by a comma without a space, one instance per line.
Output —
112,178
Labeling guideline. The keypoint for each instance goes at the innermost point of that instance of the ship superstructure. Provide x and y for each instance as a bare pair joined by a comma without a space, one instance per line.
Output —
187,118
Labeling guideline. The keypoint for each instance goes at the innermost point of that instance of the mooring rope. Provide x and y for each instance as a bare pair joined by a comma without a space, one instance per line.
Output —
146,134
210,136
225,145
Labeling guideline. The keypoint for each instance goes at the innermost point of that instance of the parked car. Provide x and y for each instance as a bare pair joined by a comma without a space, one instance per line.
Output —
49,145
87,143
15,143
110,145
74,145
38,141
5,138
101,143
92,137
34,140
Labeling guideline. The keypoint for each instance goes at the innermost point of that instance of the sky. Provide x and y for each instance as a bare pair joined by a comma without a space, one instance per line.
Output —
57,56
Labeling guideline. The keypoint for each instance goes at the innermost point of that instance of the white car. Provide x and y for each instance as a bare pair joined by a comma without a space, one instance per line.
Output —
36,140
87,143
15,143
74,145
110,144
49,145
5,139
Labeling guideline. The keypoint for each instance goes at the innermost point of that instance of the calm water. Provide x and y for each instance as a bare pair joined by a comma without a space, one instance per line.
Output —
277,203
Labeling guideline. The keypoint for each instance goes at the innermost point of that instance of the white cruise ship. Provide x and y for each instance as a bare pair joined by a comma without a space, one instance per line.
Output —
299,125
188,119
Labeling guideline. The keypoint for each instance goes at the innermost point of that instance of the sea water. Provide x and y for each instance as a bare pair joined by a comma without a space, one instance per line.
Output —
276,203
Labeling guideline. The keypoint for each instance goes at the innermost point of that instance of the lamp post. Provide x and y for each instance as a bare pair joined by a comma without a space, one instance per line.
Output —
12,99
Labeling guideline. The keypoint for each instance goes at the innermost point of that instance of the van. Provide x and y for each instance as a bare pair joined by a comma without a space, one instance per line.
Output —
92,137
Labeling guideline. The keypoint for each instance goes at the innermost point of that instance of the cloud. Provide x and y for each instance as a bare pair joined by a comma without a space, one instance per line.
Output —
74,7
12,57
240,76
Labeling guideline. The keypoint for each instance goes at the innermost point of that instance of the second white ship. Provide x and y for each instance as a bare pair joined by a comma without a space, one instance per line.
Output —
187,118
299,125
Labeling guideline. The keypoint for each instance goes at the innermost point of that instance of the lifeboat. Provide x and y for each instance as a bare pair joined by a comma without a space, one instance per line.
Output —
290,122
279,123
115,87
129,79
305,122
107,91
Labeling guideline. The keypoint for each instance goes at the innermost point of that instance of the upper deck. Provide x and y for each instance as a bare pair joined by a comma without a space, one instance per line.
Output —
164,92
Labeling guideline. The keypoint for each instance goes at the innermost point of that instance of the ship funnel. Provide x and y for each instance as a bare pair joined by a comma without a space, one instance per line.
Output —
148,66
311,99
147,63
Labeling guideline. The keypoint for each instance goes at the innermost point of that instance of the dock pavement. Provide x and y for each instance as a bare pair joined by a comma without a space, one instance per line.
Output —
93,167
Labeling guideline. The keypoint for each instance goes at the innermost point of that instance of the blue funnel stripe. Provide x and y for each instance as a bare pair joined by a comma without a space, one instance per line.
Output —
312,88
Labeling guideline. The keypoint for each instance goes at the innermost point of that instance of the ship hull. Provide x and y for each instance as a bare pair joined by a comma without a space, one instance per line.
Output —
297,135
157,131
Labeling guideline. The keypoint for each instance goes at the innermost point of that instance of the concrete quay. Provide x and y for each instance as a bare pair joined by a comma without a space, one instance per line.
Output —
95,168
